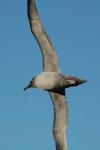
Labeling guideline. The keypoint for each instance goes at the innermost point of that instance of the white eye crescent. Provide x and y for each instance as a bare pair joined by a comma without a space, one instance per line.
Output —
71,81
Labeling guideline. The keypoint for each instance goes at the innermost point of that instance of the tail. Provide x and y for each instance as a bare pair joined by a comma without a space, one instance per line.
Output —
27,87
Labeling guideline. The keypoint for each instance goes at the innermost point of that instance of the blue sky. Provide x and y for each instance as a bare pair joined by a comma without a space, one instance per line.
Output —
26,118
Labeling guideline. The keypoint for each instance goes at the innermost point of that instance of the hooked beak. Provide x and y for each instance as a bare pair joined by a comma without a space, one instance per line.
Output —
83,81
27,87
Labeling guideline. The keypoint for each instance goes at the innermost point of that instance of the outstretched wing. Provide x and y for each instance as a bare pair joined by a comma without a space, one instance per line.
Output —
50,63
60,119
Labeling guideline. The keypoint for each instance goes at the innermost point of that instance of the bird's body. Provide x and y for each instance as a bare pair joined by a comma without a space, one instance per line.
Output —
53,81
50,81
47,80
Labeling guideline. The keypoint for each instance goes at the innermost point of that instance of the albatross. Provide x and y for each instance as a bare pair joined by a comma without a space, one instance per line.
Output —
50,79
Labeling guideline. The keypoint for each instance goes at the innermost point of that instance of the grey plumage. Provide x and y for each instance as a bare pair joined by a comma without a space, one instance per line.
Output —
51,79
51,71
54,81
49,56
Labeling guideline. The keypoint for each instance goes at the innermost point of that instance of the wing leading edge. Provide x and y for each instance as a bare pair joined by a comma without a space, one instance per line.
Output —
50,62
60,119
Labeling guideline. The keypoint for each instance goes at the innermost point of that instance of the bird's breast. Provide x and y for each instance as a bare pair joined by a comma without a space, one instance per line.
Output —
46,80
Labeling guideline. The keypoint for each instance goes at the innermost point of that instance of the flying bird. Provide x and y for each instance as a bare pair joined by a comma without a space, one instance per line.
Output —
50,79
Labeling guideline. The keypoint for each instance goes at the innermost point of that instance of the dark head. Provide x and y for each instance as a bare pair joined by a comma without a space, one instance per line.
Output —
29,85
74,81
80,81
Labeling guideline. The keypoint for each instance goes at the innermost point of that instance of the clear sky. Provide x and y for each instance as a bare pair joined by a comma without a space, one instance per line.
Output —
26,118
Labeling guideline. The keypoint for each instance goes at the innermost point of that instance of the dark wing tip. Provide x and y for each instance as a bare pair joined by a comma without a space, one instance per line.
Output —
31,9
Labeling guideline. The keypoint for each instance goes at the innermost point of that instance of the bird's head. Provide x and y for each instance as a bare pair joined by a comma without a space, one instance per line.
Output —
74,81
